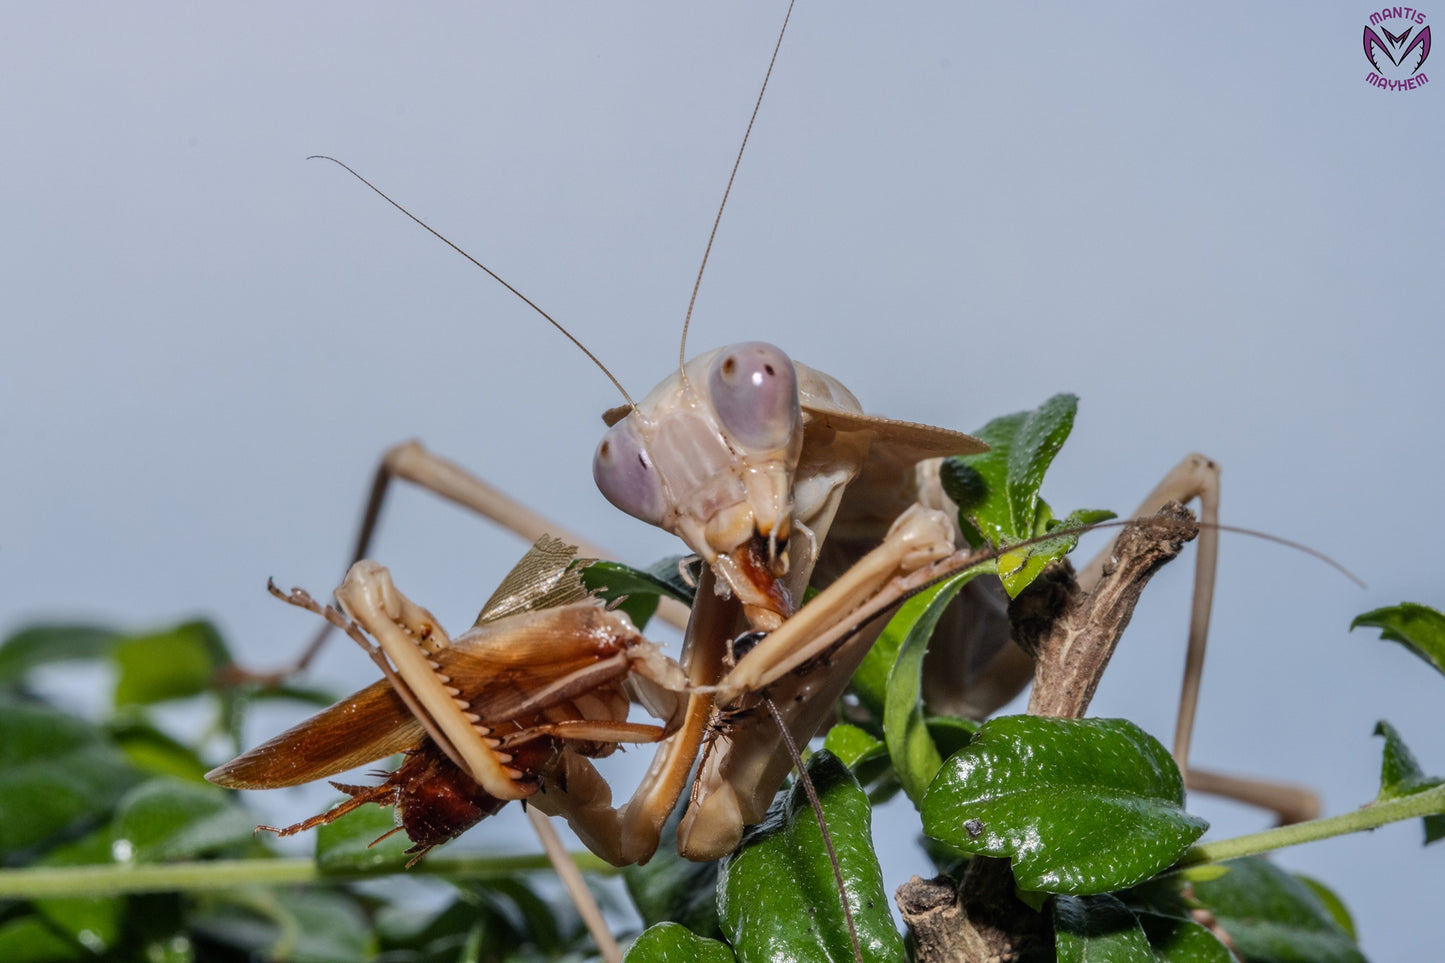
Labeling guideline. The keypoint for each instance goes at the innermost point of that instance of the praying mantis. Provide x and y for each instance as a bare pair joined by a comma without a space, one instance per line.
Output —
810,478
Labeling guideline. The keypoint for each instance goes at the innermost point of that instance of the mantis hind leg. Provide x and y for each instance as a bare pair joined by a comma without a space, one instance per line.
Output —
411,462
1196,477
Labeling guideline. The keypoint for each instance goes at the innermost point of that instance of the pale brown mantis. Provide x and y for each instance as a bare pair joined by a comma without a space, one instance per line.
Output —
763,555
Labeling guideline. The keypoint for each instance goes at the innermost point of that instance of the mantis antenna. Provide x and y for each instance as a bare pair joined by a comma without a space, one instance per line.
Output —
494,275
687,318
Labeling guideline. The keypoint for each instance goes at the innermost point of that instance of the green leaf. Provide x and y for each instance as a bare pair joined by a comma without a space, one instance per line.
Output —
623,587
1332,902
352,843
910,745
1018,568
777,896
154,751
610,580
867,757
1400,775
436,936
548,926
997,492
44,644
168,819
1098,929
951,734
669,573
297,926
852,745
1418,628
669,887
1080,806
92,922
30,939
1273,917
673,943
638,589
47,755
504,915
158,925
173,664
1178,940
871,680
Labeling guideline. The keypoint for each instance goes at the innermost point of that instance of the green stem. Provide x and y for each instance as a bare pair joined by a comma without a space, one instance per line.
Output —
1428,803
116,879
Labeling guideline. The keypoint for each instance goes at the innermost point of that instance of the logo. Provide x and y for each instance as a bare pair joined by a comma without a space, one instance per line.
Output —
1397,44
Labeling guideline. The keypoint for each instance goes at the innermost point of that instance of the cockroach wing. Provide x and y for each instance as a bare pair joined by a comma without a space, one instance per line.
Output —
531,661
364,727
514,667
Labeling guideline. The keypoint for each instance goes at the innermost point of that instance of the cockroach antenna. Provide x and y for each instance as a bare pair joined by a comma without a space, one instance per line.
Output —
812,793
697,282
494,275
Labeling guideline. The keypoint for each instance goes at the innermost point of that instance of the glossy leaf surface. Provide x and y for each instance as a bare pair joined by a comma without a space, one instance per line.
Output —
905,733
852,745
639,589
1018,568
1098,929
777,895
673,943
997,492
1080,806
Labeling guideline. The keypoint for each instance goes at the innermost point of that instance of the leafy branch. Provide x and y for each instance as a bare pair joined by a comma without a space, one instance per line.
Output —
1053,835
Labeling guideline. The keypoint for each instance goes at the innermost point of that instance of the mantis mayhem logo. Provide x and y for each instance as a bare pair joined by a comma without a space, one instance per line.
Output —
1397,51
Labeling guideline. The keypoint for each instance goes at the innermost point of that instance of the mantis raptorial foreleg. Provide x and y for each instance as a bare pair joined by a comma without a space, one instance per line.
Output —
742,766
411,462
493,714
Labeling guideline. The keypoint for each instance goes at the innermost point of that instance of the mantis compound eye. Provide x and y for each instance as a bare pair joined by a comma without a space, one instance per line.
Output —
754,390
626,477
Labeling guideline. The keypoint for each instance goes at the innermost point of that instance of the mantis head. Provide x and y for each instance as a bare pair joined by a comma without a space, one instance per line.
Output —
710,456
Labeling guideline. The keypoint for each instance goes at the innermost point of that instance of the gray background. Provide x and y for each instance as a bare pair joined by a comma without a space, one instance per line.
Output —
1199,218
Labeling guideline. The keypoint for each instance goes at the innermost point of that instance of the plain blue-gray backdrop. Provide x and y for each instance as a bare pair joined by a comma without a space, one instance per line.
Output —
1199,218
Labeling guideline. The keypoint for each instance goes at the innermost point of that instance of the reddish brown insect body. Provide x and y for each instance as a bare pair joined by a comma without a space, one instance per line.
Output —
529,688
